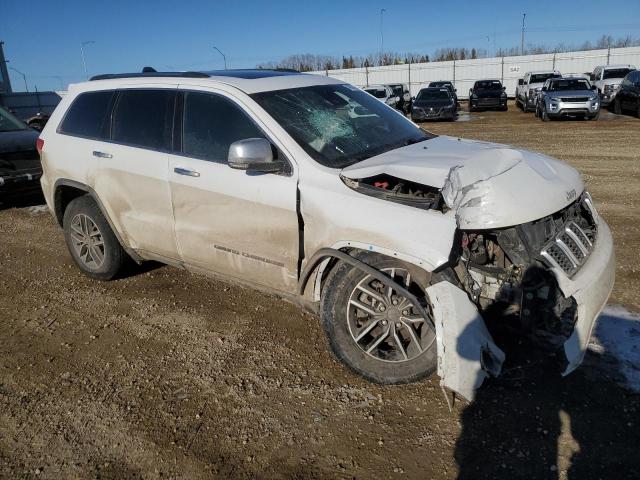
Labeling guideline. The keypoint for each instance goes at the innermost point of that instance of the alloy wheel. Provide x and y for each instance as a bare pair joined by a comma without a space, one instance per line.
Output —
87,241
386,325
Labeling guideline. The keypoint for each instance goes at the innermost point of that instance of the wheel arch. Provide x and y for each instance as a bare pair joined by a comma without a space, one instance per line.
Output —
65,191
325,259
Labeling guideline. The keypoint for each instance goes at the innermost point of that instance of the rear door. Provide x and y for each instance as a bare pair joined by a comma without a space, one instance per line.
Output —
132,174
233,222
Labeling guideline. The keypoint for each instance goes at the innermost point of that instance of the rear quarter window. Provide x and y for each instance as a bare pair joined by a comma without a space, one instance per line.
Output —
88,115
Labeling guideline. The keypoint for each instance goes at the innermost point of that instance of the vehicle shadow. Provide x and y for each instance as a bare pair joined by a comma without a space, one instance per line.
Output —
23,200
533,423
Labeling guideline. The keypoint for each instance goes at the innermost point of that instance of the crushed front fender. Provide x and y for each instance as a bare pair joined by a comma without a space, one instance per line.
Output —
467,353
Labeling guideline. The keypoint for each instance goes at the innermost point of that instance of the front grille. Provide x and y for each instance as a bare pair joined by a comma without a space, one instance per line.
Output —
575,99
570,248
489,101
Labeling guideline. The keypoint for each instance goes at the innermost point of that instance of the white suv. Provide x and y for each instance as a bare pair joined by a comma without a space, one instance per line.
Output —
414,248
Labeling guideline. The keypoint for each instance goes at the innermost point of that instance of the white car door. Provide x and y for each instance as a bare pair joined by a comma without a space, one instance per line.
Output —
131,178
232,222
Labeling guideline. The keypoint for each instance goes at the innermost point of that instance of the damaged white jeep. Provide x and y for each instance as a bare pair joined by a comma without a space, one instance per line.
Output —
418,251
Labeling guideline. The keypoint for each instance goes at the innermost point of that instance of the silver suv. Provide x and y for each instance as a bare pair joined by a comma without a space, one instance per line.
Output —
413,248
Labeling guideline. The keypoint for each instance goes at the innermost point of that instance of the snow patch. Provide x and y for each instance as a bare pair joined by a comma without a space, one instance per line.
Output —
38,209
617,334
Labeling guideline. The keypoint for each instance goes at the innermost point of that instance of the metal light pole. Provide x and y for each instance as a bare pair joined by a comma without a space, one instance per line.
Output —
522,35
84,63
223,56
382,10
24,77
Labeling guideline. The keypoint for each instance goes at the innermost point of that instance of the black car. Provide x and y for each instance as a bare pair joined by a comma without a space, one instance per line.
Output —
487,94
433,104
449,86
401,91
628,97
20,168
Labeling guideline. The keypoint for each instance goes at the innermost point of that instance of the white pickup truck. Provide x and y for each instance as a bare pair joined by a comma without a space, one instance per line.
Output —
530,85
607,78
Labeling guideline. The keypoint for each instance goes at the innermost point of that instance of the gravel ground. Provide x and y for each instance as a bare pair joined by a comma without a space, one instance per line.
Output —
168,374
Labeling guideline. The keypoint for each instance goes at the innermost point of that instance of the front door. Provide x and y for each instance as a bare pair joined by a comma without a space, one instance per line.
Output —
232,222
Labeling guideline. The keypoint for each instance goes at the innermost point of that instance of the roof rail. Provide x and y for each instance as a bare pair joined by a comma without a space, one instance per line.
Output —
108,76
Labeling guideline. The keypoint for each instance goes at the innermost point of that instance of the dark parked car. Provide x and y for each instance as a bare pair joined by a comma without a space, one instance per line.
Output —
628,97
448,85
20,168
401,90
433,104
487,94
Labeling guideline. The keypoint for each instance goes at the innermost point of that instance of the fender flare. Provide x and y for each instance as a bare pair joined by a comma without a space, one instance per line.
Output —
61,182
325,253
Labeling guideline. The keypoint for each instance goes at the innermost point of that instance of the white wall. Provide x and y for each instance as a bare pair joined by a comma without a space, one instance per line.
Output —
464,72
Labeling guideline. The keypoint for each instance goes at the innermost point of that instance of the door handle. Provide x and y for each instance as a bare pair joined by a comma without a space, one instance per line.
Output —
102,154
184,171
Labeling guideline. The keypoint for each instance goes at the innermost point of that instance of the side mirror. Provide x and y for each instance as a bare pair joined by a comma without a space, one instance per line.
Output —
521,81
544,89
594,88
253,154
504,89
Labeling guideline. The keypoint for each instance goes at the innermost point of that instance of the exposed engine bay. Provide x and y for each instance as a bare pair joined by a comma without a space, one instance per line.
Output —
507,274
398,190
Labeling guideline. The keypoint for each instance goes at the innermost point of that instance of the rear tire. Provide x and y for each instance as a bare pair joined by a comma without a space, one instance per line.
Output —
399,356
91,242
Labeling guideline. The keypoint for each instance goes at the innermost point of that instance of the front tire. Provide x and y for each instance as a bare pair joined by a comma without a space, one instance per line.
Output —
373,330
544,115
91,242
617,107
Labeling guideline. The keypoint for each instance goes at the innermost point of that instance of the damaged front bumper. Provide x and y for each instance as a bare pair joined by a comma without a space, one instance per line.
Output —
467,353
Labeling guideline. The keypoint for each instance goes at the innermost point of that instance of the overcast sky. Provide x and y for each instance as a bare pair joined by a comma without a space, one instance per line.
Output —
42,38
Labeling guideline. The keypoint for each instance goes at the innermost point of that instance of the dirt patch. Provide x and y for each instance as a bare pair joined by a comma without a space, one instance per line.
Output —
168,374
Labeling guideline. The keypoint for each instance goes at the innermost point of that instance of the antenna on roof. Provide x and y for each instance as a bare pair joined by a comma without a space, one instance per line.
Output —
148,70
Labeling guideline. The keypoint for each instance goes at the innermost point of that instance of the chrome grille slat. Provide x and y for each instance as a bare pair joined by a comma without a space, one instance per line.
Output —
569,249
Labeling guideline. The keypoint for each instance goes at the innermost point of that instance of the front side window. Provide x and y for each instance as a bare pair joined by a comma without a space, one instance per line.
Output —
376,92
339,125
88,115
144,118
211,123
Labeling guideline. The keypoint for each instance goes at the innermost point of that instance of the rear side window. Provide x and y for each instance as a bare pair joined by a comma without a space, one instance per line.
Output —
88,115
211,123
144,118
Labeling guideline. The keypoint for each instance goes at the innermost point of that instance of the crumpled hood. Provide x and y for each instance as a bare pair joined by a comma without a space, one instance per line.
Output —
488,185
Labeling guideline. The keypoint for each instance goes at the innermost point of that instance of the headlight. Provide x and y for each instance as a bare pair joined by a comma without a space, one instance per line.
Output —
609,88
556,99
503,95
474,96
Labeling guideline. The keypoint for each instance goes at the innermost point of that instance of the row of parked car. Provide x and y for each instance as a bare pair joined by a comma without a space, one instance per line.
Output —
547,93
551,95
